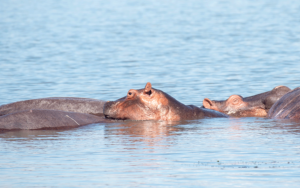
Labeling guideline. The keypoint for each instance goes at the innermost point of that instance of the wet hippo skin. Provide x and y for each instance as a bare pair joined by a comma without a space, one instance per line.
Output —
287,107
68,104
153,104
46,119
254,106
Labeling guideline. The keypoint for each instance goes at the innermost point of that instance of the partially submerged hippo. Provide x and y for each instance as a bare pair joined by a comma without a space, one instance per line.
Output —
153,104
51,113
288,107
46,119
254,106
68,104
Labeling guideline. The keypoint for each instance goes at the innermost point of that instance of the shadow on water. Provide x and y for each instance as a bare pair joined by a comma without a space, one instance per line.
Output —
287,126
31,134
282,126
52,133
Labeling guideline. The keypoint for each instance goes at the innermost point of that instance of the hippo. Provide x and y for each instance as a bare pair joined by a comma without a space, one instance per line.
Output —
68,104
287,107
253,106
46,119
154,104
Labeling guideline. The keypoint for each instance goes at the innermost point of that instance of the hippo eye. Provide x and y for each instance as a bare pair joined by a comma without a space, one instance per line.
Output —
129,93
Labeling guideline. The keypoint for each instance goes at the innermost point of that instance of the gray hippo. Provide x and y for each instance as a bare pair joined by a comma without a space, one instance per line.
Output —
154,104
287,107
46,119
253,106
51,113
68,104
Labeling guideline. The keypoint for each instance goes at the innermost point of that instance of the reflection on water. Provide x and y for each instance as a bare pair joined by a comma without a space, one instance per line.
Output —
29,134
191,50
153,133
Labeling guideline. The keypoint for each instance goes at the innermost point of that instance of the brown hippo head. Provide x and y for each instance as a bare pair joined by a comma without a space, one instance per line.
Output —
254,106
142,104
153,104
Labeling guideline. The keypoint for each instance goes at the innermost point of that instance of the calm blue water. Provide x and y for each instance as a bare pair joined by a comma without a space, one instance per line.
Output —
190,49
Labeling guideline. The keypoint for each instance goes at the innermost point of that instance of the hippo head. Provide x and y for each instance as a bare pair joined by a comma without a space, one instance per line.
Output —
254,106
235,105
143,104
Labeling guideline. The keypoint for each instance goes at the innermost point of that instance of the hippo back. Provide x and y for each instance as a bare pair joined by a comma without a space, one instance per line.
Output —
68,104
287,107
46,119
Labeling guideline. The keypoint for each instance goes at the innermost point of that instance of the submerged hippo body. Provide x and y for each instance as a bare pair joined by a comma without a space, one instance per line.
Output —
153,104
46,119
288,107
68,104
254,106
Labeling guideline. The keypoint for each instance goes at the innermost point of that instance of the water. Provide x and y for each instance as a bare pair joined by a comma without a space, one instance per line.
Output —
189,49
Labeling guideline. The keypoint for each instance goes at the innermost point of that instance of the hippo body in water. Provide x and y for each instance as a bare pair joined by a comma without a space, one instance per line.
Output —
68,104
46,119
254,106
153,104
287,107
51,113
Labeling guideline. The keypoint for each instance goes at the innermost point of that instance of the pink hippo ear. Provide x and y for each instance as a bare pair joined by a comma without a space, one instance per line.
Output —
148,88
208,104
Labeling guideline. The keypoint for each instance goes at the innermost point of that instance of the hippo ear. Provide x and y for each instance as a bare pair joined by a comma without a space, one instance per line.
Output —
235,100
147,87
207,103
